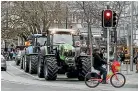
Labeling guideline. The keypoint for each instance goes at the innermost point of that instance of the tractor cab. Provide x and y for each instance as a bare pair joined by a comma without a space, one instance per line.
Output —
37,39
62,36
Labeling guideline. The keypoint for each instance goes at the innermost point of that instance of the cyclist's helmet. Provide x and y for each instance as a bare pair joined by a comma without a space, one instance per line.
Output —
115,66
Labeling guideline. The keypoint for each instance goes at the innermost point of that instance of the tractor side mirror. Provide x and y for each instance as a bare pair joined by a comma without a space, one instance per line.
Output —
77,44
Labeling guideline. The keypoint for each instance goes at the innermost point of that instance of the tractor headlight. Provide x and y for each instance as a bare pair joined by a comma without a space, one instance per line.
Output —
72,32
66,50
53,32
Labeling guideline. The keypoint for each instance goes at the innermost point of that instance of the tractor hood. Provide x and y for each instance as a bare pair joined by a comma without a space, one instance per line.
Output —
66,50
67,47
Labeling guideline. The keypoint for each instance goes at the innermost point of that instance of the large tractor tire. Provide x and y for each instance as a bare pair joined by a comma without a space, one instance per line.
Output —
17,62
40,68
85,67
33,64
26,63
21,63
50,68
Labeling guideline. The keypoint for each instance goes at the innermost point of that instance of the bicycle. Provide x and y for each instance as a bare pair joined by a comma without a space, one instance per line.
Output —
96,79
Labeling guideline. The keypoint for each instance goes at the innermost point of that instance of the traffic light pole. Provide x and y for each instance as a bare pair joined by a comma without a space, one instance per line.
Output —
108,47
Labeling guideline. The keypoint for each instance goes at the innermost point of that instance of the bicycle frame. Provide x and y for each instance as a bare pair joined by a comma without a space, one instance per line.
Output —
109,75
113,74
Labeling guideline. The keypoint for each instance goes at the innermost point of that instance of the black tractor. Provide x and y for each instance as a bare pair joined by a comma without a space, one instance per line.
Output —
30,54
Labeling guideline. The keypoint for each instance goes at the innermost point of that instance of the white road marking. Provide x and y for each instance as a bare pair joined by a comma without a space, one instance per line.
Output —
10,73
23,71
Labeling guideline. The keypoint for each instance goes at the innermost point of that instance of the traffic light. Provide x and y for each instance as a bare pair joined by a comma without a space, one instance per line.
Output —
114,36
114,19
104,33
107,18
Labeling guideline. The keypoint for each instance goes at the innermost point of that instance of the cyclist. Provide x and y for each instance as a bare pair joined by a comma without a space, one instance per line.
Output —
98,62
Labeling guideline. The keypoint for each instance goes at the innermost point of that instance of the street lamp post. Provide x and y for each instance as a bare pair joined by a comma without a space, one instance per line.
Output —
131,58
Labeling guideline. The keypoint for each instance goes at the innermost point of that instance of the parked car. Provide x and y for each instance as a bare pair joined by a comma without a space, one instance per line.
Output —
3,63
18,57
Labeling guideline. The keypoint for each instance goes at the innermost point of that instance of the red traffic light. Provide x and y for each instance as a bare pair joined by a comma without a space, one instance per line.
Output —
107,18
108,14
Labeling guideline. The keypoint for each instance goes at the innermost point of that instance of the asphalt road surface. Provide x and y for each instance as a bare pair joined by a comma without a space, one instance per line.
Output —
15,79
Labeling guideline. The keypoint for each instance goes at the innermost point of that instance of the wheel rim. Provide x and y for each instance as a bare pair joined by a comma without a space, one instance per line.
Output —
118,82
90,82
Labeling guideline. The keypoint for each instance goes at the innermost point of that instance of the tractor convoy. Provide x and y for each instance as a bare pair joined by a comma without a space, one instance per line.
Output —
58,51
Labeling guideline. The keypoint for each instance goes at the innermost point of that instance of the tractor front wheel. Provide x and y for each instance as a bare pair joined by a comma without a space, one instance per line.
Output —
85,67
33,64
50,68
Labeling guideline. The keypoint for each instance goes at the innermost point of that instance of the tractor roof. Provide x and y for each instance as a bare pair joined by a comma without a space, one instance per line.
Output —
35,35
62,31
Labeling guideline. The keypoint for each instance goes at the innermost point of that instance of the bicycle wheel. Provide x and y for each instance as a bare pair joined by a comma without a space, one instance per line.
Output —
116,81
91,80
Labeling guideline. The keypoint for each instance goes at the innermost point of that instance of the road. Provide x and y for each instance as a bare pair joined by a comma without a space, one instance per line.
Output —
17,80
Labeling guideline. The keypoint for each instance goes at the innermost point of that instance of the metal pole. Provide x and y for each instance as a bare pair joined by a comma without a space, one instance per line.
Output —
108,45
90,44
127,67
115,44
66,17
91,47
131,58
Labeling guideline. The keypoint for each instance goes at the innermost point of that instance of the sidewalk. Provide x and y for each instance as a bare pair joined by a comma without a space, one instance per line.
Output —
131,76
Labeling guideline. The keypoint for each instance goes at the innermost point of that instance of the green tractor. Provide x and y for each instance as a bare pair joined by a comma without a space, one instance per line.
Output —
62,54
29,61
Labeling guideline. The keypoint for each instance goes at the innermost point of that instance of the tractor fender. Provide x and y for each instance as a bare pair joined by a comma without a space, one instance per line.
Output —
80,56
29,50
49,55
23,53
43,50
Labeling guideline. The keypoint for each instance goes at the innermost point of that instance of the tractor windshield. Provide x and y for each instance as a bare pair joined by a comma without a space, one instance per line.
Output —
41,40
62,38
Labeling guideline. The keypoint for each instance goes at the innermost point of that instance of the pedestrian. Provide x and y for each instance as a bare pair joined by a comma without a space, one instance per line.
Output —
14,54
122,56
98,62
11,54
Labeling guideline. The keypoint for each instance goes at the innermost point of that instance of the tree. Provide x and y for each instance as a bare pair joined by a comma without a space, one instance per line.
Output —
25,18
